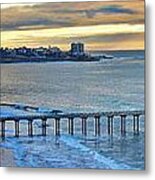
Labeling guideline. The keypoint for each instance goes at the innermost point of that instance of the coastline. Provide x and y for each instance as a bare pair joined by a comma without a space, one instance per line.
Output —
6,158
41,60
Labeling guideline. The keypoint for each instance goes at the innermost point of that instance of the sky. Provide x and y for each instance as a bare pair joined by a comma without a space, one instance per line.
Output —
105,25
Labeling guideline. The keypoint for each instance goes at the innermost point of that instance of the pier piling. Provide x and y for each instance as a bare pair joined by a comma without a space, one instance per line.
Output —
30,127
16,128
97,125
84,126
136,124
71,126
44,126
57,126
110,124
123,124
3,128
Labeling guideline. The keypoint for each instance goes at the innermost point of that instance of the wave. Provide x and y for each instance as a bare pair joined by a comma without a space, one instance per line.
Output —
106,161
73,144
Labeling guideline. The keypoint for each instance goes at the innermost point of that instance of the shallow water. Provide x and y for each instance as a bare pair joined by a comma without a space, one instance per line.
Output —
99,86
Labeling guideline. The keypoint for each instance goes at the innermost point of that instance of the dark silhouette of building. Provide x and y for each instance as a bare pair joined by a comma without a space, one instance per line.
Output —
77,49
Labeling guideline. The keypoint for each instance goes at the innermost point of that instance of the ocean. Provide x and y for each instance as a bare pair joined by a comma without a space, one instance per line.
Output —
108,85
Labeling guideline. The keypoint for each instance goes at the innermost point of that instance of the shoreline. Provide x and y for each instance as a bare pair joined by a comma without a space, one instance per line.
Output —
44,60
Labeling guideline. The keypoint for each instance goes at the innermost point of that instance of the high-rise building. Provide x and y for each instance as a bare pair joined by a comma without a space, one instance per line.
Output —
77,48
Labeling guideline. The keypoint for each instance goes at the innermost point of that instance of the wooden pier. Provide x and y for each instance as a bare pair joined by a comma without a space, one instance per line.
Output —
56,117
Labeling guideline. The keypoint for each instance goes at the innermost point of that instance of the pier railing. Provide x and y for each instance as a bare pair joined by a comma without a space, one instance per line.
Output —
57,117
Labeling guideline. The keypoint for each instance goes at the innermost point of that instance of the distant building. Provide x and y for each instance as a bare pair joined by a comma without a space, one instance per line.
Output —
54,49
77,49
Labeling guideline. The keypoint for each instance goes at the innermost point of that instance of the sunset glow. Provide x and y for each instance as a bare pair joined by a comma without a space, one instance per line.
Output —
125,28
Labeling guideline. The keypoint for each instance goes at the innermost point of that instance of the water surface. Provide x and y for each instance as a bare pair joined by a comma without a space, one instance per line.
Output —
78,87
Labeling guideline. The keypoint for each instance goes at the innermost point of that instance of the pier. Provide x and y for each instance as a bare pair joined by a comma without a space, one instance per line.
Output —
109,117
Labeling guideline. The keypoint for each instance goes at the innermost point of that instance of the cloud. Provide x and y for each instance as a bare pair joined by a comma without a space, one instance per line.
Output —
52,15
90,13
28,17
111,9
35,23
116,9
